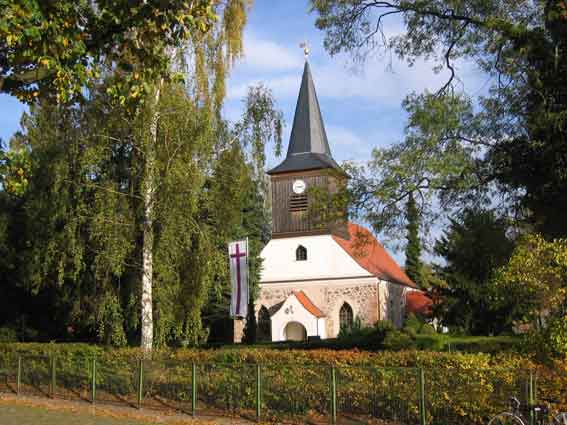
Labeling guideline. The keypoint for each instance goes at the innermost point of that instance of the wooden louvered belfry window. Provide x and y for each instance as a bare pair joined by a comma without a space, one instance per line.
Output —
345,316
298,202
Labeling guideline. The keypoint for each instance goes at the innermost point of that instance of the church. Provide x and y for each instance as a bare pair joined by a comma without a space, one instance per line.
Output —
319,277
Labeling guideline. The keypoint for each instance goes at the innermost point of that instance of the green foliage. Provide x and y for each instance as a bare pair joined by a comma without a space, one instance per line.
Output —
250,329
383,327
466,386
15,169
412,323
468,344
56,48
460,149
473,247
427,329
536,279
110,322
354,330
413,246
8,335
398,341
72,238
363,337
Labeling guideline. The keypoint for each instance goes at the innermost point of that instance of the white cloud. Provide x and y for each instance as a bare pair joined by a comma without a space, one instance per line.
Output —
384,80
342,136
267,55
283,87
333,80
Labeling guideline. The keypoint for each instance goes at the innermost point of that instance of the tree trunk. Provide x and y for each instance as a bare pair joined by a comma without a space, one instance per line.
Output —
149,189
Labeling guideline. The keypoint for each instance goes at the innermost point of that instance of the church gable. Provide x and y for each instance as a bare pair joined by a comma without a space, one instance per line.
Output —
324,259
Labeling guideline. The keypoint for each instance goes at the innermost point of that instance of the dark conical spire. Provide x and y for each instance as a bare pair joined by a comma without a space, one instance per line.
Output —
308,131
308,145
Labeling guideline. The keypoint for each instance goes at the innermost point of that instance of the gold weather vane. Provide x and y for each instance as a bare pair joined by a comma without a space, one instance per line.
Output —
305,46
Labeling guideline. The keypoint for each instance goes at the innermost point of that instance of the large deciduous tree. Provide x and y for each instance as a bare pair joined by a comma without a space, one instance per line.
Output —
52,48
150,157
536,279
505,145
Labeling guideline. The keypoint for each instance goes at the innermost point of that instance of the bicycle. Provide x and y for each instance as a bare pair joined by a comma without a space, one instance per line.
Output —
519,414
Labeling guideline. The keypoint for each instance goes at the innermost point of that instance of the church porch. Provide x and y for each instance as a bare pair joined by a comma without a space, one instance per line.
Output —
297,319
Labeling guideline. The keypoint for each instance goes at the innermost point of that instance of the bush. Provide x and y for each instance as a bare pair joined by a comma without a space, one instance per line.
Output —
396,340
460,384
412,333
8,335
412,324
428,329
383,327
435,342
355,330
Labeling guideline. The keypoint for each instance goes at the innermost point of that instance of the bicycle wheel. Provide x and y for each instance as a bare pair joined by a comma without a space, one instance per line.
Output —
560,419
506,418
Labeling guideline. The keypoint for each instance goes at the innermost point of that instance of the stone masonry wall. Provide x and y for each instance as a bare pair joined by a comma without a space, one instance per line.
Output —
361,296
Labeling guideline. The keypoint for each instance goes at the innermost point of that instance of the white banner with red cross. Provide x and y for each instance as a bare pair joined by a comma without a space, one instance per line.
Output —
238,258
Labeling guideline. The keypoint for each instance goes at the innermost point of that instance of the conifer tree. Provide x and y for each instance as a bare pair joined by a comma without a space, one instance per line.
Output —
413,247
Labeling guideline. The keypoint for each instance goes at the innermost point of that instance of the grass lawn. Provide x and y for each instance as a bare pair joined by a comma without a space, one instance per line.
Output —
481,344
433,342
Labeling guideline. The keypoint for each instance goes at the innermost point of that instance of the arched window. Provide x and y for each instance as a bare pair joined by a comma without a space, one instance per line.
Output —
345,316
301,253
264,325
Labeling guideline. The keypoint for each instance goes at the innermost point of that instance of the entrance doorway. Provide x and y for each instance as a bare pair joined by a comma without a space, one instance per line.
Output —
295,331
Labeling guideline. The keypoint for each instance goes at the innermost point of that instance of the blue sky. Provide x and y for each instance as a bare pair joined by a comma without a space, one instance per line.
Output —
361,107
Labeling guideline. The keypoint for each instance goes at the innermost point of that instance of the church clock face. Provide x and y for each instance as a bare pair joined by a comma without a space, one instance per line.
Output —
298,187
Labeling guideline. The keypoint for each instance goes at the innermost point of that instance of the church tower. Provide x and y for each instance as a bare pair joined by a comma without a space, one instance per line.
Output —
307,165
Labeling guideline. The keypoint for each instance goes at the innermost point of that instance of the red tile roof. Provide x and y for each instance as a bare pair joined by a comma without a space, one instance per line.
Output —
363,247
418,303
308,304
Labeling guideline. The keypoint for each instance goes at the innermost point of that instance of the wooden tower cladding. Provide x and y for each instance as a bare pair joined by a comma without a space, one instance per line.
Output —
294,214
308,171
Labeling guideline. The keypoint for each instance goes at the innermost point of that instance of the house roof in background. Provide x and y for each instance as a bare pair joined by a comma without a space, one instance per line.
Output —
418,303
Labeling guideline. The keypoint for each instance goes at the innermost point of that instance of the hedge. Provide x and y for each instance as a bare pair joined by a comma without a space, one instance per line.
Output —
460,387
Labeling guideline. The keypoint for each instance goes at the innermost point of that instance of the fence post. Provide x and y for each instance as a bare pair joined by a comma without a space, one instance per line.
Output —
258,392
333,395
140,382
193,389
53,376
19,377
93,381
421,395
531,397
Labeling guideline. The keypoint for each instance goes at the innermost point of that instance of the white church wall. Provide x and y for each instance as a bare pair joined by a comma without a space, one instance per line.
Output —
325,259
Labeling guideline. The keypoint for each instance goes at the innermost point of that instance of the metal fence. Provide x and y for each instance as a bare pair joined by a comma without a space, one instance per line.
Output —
275,392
